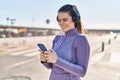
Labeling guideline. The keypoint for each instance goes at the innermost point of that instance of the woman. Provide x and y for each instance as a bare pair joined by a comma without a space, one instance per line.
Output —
69,56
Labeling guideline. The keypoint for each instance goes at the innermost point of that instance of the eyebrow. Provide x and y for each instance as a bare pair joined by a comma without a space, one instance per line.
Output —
62,19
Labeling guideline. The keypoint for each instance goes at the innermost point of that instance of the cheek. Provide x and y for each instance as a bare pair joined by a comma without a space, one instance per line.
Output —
62,23
59,24
68,23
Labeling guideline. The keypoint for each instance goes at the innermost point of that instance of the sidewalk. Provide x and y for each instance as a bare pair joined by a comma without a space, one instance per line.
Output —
115,57
106,65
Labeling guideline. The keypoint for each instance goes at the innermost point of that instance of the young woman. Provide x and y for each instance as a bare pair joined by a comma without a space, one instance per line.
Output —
69,56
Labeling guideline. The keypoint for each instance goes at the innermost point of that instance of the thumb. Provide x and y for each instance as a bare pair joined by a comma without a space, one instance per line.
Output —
52,51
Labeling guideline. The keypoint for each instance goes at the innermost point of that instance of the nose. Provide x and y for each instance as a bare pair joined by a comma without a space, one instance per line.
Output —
61,23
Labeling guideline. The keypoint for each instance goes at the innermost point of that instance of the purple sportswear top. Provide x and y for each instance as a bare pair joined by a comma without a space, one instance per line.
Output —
73,52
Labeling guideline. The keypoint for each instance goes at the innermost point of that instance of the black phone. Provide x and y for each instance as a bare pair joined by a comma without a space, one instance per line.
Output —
42,47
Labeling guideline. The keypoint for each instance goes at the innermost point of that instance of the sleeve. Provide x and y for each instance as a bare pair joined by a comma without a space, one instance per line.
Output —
46,64
82,55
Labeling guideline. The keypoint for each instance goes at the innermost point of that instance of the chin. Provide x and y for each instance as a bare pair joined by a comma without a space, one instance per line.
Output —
64,30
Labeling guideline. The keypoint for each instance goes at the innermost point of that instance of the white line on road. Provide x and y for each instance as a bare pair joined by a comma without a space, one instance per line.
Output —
31,54
19,63
22,52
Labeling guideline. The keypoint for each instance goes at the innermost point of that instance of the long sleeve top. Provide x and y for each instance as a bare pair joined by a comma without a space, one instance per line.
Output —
73,52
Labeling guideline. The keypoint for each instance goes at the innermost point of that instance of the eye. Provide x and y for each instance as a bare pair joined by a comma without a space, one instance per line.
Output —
65,19
59,20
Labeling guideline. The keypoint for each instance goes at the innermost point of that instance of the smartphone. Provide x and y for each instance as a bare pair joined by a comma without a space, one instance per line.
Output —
42,47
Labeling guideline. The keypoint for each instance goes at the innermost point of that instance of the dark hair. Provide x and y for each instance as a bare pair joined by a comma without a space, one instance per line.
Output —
72,10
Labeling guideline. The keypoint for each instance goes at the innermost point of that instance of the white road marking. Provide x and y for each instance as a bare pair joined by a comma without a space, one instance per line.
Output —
31,54
22,52
18,64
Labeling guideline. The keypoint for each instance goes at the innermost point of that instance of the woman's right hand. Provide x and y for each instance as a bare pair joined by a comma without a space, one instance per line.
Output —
42,57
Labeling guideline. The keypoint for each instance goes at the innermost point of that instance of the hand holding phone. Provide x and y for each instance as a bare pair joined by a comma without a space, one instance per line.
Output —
42,47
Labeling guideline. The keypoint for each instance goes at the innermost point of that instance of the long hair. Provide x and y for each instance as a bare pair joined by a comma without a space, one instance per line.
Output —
74,13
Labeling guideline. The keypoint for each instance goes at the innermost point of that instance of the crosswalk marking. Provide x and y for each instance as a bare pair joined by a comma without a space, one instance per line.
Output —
18,64
23,52
31,54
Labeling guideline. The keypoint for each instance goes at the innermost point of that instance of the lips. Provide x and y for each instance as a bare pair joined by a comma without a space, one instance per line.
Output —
62,27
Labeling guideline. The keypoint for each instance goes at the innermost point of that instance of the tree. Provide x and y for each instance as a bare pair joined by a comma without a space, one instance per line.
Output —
47,21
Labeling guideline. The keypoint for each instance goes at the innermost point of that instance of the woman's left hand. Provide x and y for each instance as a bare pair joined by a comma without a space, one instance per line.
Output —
51,56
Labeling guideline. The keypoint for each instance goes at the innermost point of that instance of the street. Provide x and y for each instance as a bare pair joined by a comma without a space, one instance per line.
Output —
25,65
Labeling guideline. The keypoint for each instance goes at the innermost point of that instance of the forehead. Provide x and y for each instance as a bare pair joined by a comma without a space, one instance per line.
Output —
63,15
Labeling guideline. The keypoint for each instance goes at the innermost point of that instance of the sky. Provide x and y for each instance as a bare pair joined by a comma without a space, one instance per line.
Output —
94,13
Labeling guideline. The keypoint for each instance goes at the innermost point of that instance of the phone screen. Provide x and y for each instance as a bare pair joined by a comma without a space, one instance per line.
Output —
42,47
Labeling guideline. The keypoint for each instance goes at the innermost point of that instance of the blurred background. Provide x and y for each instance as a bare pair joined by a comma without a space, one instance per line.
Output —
25,23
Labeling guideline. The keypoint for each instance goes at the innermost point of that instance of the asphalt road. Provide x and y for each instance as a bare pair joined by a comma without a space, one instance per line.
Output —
25,65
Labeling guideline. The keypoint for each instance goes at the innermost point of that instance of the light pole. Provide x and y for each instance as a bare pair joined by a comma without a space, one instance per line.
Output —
12,21
32,21
7,20
47,22
8,26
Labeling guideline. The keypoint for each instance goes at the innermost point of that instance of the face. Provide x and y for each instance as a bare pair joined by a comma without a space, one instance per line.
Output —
65,21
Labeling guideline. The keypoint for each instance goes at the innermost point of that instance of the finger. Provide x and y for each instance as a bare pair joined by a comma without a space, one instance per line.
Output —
46,52
41,54
43,58
51,50
48,61
41,51
47,58
46,55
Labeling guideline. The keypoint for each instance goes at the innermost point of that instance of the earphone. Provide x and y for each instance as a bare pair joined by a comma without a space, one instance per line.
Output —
76,16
